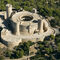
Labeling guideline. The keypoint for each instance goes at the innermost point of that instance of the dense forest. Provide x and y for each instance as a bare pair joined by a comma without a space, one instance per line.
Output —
49,49
44,7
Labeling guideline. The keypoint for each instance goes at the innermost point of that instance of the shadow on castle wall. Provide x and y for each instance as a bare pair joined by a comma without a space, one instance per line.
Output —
3,42
2,17
8,25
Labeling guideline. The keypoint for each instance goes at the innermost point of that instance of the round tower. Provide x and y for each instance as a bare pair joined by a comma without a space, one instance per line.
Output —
40,26
8,10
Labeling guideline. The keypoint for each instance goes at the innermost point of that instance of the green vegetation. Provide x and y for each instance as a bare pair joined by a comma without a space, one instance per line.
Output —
44,7
48,49
1,57
8,53
17,54
57,39
52,37
19,51
1,54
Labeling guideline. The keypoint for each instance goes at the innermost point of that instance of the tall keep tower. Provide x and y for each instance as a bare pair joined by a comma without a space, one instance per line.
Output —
8,10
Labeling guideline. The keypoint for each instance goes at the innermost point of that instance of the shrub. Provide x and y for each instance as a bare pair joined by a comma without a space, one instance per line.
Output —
1,57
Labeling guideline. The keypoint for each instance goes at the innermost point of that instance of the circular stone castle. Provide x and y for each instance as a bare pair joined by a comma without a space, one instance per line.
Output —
23,26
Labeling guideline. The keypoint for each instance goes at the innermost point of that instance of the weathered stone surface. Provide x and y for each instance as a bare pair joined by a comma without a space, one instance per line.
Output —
27,26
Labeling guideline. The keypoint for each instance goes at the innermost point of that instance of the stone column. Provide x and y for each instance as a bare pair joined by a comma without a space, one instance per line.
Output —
40,26
18,28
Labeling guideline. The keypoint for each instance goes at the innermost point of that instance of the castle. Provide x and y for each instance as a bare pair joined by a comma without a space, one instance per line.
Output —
23,26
